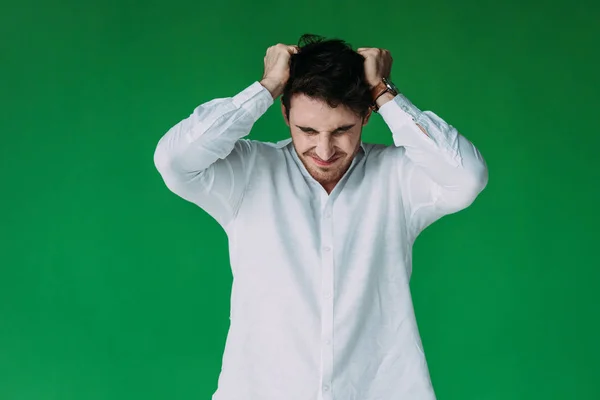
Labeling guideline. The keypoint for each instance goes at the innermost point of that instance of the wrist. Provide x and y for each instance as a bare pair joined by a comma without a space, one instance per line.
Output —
373,84
274,87
384,98
382,92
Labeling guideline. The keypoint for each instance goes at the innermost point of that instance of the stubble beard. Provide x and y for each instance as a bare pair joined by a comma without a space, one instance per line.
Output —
329,175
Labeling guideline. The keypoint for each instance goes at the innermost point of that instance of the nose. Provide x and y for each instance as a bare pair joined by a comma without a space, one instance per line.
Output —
324,148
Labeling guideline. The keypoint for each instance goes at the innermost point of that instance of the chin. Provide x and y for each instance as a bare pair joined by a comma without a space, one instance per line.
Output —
327,174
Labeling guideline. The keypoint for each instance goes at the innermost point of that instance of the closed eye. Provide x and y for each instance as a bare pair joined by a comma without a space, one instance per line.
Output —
338,131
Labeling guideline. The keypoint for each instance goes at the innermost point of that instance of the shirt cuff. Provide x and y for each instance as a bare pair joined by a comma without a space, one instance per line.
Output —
255,99
401,116
405,105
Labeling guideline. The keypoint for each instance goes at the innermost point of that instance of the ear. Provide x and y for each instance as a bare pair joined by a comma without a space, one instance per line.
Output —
284,114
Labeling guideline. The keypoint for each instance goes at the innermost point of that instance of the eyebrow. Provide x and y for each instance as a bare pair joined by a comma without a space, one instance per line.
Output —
338,129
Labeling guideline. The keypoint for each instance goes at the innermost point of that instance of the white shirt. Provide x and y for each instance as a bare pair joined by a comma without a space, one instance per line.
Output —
320,303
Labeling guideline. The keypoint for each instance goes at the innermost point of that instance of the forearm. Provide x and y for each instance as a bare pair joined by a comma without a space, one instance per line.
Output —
210,132
386,97
447,157
275,88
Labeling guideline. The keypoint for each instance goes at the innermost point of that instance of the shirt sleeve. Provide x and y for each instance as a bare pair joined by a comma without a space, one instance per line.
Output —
440,172
204,159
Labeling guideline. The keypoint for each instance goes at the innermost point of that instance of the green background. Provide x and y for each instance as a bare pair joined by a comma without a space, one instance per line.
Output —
111,287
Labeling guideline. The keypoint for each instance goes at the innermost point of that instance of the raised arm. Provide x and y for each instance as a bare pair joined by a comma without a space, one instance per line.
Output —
204,159
441,171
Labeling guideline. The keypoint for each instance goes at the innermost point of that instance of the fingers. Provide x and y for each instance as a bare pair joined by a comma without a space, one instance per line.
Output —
372,50
290,48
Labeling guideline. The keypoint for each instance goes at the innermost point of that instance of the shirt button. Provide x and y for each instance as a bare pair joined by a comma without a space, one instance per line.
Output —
327,214
325,388
326,248
327,295
328,342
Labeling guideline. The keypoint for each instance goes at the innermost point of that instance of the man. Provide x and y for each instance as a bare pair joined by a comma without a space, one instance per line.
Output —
321,225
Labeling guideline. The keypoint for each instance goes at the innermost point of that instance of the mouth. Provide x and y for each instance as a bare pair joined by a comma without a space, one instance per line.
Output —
323,163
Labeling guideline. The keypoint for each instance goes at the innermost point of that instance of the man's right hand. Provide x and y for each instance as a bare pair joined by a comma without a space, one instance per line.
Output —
277,68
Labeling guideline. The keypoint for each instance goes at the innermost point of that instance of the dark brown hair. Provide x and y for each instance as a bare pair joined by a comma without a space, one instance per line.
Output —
328,70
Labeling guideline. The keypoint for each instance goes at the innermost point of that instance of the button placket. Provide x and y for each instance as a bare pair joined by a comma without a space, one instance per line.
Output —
327,260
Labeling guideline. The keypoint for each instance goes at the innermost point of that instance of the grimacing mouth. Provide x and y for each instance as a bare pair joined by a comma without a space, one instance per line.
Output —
332,159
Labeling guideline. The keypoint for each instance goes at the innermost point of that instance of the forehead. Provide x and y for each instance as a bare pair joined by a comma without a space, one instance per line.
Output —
318,114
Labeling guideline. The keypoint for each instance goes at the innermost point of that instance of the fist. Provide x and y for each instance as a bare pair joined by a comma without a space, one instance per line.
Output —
378,64
277,63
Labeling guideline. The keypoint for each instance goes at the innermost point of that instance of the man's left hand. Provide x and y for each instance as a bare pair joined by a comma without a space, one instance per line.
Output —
378,64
